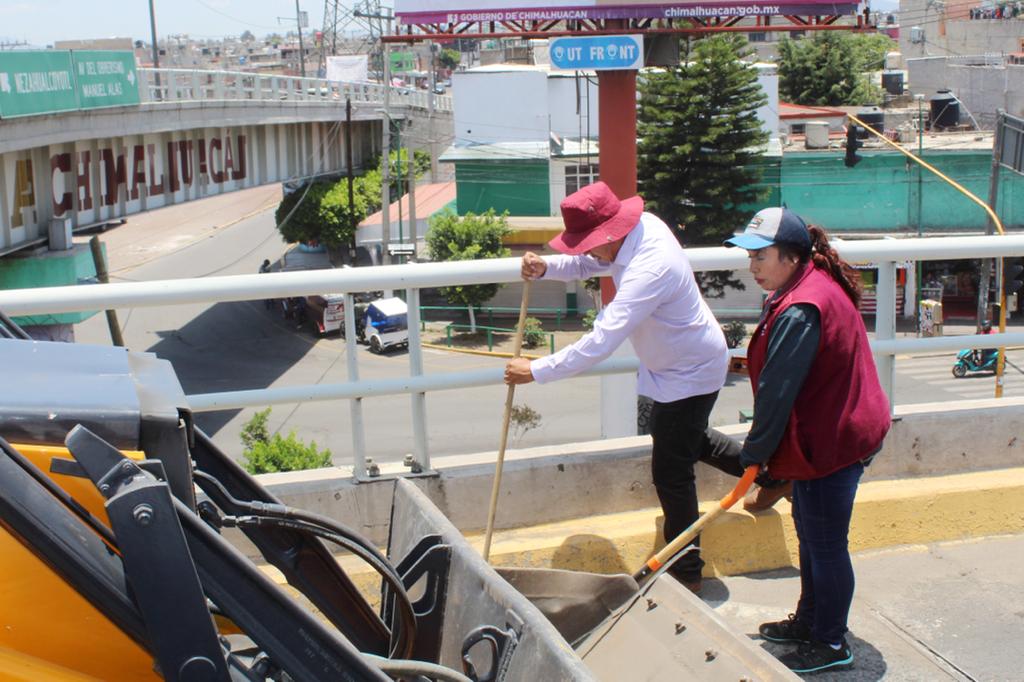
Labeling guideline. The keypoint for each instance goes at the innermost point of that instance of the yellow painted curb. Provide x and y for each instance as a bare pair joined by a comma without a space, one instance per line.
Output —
470,351
886,514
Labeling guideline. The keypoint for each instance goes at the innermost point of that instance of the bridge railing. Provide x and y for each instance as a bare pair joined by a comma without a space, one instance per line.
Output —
193,85
885,253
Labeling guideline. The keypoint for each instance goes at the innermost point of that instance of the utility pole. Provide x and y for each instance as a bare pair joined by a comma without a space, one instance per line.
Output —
412,201
398,182
385,175
918,270
302,50
351,178
156,50
990,227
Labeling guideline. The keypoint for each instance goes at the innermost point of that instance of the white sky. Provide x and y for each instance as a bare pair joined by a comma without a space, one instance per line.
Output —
41,22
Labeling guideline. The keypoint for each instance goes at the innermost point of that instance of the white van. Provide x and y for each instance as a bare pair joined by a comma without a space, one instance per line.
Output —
387,324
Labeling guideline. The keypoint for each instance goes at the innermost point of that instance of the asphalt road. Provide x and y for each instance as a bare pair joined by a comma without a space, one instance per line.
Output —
234,346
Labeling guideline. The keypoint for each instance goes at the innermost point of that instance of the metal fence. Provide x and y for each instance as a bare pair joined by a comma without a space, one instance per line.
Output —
189,85
886,253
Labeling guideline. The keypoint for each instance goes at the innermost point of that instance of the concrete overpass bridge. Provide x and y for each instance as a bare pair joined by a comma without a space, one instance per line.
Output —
194,134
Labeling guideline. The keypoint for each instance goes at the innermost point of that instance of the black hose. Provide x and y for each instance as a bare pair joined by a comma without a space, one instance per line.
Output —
315,524
402,644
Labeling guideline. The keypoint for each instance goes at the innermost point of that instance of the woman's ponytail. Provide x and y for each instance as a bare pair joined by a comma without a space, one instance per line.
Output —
826,258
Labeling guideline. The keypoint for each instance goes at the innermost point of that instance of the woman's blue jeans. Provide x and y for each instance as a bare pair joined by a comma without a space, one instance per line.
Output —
821,513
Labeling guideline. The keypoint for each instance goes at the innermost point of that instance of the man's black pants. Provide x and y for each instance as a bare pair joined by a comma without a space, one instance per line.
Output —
681,437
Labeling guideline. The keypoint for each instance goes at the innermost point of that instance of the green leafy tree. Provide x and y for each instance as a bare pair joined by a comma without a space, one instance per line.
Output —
268,453
320,213
827,70
449,58
470,237
699,138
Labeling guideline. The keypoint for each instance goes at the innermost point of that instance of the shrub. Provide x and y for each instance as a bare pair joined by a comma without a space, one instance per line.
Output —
735,332
523,418
533,333
265,453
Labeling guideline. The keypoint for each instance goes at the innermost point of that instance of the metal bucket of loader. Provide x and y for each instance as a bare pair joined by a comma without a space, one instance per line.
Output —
478,618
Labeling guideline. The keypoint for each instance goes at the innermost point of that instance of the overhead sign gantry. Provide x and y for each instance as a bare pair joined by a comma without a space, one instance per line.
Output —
447,19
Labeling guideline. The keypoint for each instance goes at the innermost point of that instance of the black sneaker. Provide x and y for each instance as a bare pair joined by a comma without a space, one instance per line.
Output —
812,657
789,630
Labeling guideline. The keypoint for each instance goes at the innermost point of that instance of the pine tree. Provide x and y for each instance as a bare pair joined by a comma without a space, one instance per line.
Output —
699,138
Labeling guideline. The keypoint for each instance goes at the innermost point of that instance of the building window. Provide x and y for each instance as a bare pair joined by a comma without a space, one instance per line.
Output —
580,176
798,128
757,37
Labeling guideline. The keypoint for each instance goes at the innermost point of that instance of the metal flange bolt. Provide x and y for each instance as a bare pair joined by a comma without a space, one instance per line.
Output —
372,469
413,465
143,514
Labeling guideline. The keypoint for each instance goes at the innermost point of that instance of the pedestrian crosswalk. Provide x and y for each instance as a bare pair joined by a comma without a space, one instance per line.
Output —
936,372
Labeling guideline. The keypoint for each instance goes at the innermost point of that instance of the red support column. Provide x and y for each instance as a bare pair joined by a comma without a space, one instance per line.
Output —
616,95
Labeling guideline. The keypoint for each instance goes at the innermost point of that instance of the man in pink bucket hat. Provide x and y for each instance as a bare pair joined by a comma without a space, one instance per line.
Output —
659,308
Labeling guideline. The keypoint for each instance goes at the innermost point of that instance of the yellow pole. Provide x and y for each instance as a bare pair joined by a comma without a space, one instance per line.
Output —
1001,362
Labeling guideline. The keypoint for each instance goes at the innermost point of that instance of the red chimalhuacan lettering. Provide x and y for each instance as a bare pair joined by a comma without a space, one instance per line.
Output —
215,156
172,166
115,175
185,154
240,170
138,172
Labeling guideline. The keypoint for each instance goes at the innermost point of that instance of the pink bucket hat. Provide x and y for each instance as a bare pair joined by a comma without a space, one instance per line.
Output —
595,216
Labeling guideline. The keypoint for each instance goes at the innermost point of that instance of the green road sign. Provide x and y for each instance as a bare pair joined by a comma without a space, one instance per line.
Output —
36,83
105,78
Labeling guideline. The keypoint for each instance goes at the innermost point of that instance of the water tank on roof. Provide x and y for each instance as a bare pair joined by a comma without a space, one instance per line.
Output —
816,135
874,118
892,82
945,110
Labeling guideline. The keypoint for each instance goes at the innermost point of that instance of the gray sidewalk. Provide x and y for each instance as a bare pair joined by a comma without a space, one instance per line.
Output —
946,611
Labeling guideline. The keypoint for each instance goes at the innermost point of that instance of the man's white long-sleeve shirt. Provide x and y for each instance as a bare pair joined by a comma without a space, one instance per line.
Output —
658,306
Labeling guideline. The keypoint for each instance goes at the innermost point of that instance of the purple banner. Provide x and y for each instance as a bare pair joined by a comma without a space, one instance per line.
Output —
697,10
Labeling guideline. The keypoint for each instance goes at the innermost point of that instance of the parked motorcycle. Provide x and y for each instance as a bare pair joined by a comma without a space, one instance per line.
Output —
972,360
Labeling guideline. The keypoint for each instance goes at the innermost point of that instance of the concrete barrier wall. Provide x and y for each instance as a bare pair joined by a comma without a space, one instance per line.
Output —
558,483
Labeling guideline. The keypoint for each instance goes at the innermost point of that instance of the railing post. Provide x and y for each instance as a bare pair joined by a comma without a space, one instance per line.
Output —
355,404
552,336
197,93
420,452
490,340
218,86
885,326
448,333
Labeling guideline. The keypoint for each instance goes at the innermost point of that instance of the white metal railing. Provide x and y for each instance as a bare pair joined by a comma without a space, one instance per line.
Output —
413,277
189,85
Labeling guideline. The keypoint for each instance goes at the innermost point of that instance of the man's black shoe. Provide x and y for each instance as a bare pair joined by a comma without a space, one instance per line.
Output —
812,657
789,630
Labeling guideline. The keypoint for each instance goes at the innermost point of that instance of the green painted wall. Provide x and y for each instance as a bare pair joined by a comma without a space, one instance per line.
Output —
880,193
53,269
519,187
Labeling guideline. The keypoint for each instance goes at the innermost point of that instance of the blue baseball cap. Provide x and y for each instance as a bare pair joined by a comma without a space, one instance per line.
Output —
771,226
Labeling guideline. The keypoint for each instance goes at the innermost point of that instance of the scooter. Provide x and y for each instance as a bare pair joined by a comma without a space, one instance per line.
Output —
970,360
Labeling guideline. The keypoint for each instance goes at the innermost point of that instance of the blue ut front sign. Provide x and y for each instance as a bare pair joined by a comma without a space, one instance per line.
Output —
596,53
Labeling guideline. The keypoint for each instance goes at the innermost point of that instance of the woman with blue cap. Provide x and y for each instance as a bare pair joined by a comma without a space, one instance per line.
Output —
820,415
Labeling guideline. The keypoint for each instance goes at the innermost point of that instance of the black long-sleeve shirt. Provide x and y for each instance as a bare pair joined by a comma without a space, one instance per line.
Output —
792,347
